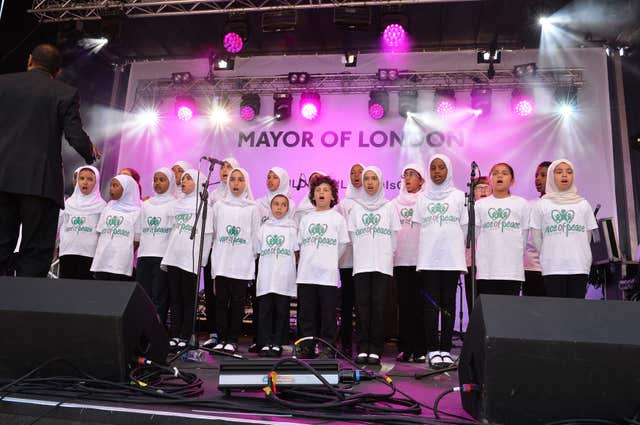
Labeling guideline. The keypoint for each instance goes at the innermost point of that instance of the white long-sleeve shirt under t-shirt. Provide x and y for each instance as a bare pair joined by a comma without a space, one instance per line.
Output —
373,236
502,228
322,236
565,230
277,264
442,239
531,255
406,253
114,252
156,222
78,233
181,251
346,260
234,247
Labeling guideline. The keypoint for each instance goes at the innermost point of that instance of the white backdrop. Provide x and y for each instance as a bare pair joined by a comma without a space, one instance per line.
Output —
344,133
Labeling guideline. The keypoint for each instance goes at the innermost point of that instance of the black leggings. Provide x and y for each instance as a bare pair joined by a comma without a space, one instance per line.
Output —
182,293
410,310
566,285
439,298
155,283
533,284
370,292
231,295
75,267
346,308
498,287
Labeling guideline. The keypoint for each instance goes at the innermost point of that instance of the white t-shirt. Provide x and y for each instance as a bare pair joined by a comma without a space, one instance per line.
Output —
181,251
320,236
500,223
346,261
565,232
277,264
531,254
234,247
78,233
442,240
114,253
373,235
156,222
408,236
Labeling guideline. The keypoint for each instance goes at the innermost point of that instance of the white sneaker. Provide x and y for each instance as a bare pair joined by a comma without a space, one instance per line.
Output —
447,360
219,346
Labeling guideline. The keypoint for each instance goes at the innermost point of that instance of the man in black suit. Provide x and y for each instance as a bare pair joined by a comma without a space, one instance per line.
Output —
34,111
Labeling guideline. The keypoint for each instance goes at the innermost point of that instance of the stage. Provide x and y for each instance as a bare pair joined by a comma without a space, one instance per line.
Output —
24,409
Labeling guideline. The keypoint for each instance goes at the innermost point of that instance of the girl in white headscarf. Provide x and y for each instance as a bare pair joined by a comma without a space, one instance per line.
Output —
561,225
117,227
77,224
178,168
305,205
276,281
221,190
373,224
411,331
181,257
155,223
236,221
277,184
443,218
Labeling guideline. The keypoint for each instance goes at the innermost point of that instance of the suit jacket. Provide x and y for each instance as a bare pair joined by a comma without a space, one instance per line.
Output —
34,111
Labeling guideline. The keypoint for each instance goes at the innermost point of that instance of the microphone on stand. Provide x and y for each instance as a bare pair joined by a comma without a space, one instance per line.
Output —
474,167
212,160
301,179
595,212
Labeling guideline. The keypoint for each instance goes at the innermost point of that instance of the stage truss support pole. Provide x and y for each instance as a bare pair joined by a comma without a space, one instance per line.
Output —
111,147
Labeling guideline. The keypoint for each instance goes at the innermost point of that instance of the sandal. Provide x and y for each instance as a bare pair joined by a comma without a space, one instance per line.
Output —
447,360
435,360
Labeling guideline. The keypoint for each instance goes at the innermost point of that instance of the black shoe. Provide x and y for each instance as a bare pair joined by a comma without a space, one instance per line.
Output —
254,348
264,352
362,358
275,351
403,357
374,359
419,358
230,348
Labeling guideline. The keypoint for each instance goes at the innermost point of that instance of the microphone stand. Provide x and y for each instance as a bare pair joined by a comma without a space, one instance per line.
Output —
201,217
471,231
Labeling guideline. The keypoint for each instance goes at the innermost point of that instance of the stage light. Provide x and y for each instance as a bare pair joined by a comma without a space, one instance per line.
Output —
232,42
282,106
444,101
481,100
249,106
310,105
181,77
387,74
378,104
394,35
147,117
235,34
525,70
350,59
298,77
544,22
621,51
522,103
567,100
219,62
407,102
489,56
185,107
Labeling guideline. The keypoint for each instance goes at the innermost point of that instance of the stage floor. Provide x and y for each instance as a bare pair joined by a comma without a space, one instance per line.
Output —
20,409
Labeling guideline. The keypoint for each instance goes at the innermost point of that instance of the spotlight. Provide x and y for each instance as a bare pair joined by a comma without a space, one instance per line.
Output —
249,106
481,100
387,74
378,104
525,71
350,59
407,102
489,56
634,140
445,101
522,103
232,42
544,22
298,77
310,105
147,117
185,107
282,106
235,34
567,100
394,30
181,77
221,62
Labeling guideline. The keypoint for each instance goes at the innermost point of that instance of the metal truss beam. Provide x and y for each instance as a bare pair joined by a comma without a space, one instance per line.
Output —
157,89
66,10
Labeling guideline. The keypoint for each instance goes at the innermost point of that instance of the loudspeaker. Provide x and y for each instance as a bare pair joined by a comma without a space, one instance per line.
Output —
98,326
543,359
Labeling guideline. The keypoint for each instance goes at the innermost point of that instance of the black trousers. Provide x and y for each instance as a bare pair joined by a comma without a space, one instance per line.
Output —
370,294
182,293
346,308
317,310
566,285
209,299
439,300
533,285
39,219
273,319
498,287
75,267
156,284
410,310
111,276
231,295
469,291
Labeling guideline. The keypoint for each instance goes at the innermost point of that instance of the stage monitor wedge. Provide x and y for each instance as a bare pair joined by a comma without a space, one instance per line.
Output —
98,326
541,359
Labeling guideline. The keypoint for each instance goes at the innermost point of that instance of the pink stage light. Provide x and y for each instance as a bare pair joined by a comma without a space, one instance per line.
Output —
445,107
394,35
185,113
247,113
232,42
376,111
310,105
523,107
309,111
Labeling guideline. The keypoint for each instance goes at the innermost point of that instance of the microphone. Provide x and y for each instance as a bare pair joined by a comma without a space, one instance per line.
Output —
301,179
474,164
474,167
595,212
212,160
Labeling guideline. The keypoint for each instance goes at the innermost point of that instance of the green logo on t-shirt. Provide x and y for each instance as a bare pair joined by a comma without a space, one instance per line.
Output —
77,225
153,221
182,221
406,216
499,218
562,219
563,215
233,233
316,232
370,221
274,244
275,241
113,223
438,208
154,226
438,215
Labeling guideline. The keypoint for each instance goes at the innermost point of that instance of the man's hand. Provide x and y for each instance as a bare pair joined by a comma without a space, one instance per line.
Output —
96,152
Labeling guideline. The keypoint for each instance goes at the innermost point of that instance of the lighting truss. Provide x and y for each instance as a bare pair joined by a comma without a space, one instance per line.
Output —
355,83
66,10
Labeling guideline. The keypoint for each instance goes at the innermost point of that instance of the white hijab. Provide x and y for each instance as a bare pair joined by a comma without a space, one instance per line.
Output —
569,196
182,164
170,194
352,191
287,220
437,192
130,199
79,203
404,197
187,203
246,197
377,200
306,205
221,191
283,189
